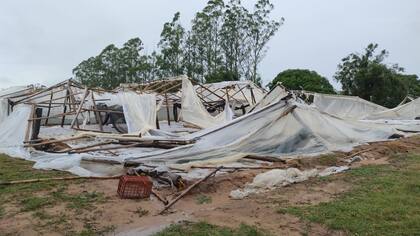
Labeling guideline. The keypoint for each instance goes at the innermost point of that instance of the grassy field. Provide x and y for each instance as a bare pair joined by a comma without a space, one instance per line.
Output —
37,198
385,200
205,229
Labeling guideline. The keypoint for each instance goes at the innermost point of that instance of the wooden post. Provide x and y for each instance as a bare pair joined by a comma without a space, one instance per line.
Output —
28,128
36,124
72,99
86,93
8,107
65,108
167,109
49,108
252,96
97,114
157,122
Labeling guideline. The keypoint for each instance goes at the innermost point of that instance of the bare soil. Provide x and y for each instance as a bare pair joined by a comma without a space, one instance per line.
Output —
139,217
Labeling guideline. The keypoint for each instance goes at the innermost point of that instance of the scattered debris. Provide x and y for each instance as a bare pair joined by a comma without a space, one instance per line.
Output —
280,178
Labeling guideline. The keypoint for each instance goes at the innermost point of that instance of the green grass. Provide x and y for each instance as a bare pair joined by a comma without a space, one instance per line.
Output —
203,199
36,197
35,203
385,200
17,169
80,201
205,229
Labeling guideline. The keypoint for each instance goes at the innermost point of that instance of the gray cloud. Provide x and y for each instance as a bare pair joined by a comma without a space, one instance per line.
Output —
41,41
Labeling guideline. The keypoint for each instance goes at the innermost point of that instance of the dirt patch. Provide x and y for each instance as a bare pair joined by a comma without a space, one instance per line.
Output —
134,217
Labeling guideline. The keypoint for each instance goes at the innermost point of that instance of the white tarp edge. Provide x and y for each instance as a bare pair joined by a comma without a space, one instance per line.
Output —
139,111
194,112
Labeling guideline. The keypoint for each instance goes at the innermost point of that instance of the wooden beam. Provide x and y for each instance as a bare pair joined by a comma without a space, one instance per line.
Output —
86,93
49,108
57,141
29,125
167,110
97,114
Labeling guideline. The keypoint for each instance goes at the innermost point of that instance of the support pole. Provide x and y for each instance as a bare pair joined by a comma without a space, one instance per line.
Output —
65,108
97,114
86,93
49,108
167,109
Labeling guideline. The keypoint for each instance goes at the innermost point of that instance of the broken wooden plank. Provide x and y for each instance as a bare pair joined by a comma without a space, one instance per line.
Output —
85,94
264,158
57,141
26,181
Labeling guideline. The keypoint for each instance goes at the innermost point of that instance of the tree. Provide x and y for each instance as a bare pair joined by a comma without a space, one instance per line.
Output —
368,77
227,37
233,36
412,84
114,66
299,79
261,30
220,76
225,41
170,44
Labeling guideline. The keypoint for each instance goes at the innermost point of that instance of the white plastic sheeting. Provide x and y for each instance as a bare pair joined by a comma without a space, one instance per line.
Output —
7,93
272,97
139,111
13,128
282,177
194,112
265,132
408,111
348,107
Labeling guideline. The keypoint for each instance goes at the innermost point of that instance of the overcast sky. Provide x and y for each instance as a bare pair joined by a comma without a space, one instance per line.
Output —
42,41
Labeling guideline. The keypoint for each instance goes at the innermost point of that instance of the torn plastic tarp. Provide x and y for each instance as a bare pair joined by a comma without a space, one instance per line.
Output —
139,111
408,111
194,112
348,107
270,132
271,97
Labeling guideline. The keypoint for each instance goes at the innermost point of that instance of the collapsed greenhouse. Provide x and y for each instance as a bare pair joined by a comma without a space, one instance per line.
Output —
179,123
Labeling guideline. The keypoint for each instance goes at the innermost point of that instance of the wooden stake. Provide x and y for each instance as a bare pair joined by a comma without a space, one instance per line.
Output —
167,109
29,127
189,189
65,108
49,107
97,114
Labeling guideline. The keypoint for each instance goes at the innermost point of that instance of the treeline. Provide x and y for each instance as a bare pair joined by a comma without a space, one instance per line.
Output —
365,75
226,41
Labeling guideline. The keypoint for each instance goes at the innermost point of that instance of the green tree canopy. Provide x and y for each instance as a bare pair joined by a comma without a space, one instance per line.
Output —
298,79
220,76
412,84
114,66
226,40
367,76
